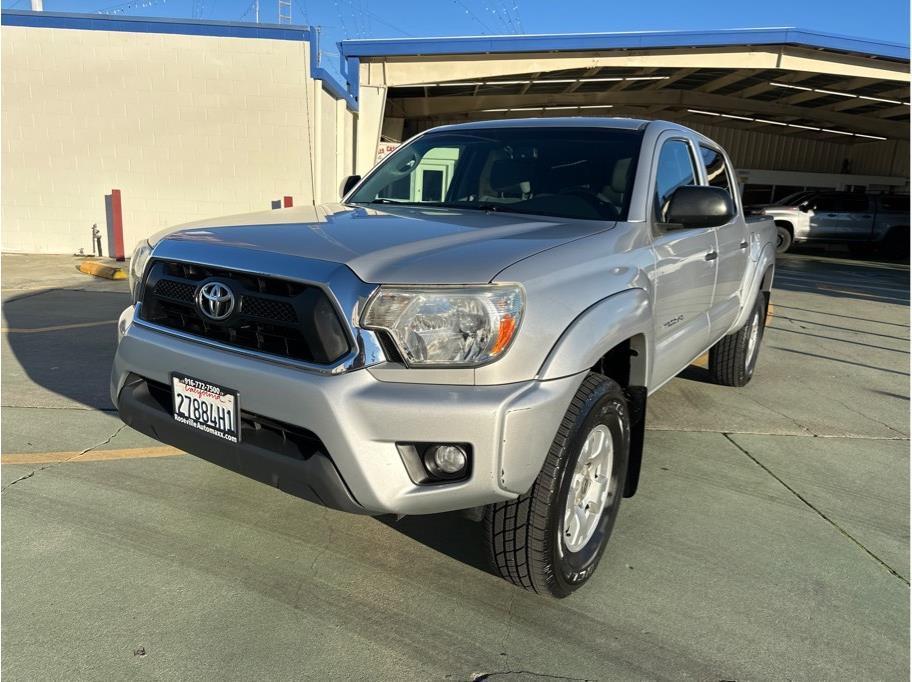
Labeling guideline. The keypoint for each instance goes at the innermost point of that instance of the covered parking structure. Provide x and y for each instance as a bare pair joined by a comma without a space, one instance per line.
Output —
796,109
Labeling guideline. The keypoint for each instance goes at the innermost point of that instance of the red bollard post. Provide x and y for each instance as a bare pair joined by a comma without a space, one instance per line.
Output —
117,220
287,202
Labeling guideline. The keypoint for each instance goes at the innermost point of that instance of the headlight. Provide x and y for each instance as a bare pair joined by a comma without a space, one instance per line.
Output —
138,265
453,326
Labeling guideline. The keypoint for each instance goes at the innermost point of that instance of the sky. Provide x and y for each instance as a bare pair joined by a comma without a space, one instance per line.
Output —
886,20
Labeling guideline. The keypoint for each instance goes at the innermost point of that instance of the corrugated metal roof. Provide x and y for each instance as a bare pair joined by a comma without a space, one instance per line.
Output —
576,42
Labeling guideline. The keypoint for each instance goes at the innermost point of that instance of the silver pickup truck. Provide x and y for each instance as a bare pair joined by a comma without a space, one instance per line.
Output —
476,326
852,217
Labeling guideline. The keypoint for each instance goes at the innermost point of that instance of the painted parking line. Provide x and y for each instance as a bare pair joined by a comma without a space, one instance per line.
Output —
91,456
54,328
815,281
856,292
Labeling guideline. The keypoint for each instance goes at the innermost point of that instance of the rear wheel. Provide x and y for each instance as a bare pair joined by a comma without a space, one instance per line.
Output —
895,245
733,358
550,539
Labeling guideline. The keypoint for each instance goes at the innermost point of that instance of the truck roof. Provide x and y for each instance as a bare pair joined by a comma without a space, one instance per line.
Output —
617,123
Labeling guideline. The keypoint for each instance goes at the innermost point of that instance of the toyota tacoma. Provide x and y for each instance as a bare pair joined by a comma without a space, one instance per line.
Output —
476,326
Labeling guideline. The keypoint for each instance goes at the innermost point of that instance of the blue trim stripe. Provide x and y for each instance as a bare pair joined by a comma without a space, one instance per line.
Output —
190,27
622,41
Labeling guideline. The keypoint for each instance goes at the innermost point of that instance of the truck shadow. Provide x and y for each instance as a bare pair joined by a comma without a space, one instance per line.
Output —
451,534
62,341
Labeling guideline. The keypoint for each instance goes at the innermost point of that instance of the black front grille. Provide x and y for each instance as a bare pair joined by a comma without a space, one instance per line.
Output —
272,315
176,291
268,309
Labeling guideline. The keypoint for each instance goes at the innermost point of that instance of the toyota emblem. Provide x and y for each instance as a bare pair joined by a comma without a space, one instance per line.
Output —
215,300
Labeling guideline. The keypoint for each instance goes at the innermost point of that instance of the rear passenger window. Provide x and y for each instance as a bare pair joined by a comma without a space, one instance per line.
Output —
675,169
895,203
716,172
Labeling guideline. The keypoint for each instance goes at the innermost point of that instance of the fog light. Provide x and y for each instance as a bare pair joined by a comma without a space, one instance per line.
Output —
445,461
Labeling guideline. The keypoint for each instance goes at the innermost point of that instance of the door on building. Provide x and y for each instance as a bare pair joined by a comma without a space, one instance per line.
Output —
433,175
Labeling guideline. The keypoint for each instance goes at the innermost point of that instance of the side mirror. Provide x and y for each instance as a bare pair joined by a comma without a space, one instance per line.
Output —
347,184
805,207
698,206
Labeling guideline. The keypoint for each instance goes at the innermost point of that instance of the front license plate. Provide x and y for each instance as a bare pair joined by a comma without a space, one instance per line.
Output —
207,407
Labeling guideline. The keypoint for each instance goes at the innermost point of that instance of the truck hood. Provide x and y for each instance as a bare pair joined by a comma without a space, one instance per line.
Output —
396,244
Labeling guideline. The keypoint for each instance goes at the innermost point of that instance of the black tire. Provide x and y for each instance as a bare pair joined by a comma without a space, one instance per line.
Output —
783,239
524,535
895,245
732,360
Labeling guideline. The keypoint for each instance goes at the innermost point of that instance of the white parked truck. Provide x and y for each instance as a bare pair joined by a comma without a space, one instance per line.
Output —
849,217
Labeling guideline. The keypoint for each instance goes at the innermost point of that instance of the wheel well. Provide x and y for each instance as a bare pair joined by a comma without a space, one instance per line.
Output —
787,225
626,364
615,364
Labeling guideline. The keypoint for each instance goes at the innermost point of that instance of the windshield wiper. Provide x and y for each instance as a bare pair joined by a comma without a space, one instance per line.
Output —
489,208
394,202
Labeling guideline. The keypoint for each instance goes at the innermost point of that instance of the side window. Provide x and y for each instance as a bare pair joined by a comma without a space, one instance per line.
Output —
894,203
855,203
716,172
675,169
827,203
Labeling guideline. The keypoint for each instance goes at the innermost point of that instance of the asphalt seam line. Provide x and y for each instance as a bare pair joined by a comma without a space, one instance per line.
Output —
816,510
809,434
481,677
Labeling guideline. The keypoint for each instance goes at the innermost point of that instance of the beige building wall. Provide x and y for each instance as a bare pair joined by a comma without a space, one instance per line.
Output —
187,127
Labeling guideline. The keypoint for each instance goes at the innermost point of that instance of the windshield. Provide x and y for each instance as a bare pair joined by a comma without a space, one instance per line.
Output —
578,173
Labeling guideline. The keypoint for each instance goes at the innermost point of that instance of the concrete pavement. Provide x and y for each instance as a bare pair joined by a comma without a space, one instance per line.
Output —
769,539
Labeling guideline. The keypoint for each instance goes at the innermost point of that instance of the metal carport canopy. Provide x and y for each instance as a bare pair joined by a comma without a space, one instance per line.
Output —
784,81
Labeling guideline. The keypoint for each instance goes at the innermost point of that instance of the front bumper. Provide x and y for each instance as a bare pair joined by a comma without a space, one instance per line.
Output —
358,420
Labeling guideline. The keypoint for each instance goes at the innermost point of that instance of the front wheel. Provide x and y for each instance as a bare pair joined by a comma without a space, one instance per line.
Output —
733,359
783,239
550,539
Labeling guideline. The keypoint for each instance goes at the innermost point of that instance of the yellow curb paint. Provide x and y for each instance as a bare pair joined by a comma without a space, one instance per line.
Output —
91,456
55,328
100,270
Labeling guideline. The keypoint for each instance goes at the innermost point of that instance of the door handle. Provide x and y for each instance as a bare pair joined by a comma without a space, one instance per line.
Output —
712,255
744,244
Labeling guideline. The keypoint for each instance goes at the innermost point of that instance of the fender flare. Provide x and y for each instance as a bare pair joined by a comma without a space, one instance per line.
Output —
598,329
761,280
625,316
